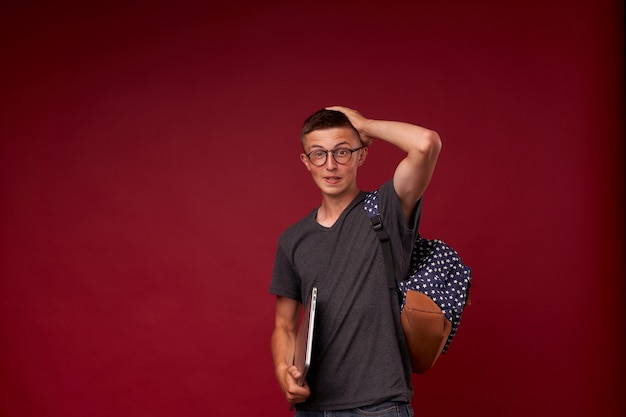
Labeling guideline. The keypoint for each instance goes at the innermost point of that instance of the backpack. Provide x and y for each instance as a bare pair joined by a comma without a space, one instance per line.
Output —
432,296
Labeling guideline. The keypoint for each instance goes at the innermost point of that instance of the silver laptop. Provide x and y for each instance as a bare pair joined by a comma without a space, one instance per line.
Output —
304,338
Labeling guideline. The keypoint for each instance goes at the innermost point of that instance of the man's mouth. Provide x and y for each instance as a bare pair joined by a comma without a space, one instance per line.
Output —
332,180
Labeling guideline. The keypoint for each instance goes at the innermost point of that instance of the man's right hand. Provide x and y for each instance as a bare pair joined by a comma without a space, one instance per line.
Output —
288,377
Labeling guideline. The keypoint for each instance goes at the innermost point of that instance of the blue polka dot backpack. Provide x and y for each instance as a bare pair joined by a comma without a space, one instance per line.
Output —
433,295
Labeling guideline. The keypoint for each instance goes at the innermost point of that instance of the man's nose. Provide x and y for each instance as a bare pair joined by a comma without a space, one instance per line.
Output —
330,161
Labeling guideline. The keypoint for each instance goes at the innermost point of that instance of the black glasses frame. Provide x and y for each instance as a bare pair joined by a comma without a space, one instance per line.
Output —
326,152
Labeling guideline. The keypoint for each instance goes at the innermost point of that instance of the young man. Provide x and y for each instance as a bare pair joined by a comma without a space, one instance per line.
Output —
360,359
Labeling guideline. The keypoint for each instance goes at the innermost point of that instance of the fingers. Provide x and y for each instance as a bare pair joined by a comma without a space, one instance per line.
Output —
357,120
294,373
298,394
342,109
354,116
295,393
351,114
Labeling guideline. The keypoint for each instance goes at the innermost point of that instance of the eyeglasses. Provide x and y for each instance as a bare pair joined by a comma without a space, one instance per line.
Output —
341,155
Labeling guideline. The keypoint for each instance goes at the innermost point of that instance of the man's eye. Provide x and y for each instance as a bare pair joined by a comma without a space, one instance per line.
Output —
318,154
342,152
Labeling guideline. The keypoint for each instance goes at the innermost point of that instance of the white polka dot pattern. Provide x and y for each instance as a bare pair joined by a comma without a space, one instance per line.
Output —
435,270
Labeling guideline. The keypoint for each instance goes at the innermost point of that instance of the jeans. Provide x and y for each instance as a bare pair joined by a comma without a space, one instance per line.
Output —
386,409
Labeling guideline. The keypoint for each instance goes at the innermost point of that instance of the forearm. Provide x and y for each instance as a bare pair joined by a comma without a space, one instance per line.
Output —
283,348
287,375
410,138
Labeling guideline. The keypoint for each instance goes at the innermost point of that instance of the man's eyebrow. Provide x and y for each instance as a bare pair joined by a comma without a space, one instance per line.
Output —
341,144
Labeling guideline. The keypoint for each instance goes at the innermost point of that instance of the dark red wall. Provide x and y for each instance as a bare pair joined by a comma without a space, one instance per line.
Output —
149,161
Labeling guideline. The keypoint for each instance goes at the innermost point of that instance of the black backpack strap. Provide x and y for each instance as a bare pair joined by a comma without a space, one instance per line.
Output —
371,208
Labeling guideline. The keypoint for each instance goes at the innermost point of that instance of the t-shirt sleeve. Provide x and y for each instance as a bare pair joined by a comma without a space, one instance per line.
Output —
390,202
402,234
285,281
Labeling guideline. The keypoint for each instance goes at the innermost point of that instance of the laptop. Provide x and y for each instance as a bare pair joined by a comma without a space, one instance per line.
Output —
304,338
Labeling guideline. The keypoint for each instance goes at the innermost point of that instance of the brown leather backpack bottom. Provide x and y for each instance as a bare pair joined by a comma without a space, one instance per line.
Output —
426,330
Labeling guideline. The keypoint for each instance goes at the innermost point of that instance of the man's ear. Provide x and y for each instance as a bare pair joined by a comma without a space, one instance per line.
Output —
305,161
362,155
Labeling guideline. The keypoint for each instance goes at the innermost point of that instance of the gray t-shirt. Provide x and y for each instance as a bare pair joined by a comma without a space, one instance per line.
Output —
359,353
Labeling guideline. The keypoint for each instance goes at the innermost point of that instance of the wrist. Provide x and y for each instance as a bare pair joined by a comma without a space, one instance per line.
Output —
281,368
365,127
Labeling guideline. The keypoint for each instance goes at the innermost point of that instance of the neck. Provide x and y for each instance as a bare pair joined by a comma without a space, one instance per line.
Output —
332,207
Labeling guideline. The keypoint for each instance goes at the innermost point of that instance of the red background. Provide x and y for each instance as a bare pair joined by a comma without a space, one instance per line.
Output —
149,161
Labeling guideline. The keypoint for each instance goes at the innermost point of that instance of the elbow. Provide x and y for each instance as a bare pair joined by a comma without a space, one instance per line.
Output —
430,143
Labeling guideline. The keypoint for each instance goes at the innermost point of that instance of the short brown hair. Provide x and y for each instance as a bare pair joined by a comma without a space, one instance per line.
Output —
325,119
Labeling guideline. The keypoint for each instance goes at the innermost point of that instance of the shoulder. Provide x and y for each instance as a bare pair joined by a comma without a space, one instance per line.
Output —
300,227
387,196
